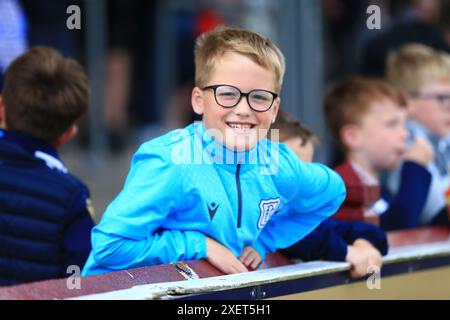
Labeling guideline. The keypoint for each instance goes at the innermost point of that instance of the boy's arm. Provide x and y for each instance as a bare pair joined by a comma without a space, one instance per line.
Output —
324,243
312,193
130,233
330,240
406,206
353,231
77,244
335,240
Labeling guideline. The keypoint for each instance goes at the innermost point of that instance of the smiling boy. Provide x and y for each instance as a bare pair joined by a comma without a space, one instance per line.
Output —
174,208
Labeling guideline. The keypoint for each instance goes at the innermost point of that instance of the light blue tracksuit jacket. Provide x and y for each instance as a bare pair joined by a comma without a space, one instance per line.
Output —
184,186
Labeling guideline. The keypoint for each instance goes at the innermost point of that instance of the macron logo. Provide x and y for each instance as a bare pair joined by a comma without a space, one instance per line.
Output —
212,208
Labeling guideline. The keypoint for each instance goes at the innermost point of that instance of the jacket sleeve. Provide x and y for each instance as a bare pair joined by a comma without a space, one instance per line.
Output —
352,230
77,232
130,233
324,243
406,206
330,239
311,192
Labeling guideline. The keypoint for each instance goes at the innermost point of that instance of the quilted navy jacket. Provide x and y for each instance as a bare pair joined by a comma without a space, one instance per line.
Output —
44,217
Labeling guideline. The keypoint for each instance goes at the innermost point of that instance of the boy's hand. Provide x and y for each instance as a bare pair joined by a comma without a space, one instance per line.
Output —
421,151
222,258
363,257
250,258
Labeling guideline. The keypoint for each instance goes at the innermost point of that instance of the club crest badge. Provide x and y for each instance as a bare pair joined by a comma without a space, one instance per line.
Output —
267,209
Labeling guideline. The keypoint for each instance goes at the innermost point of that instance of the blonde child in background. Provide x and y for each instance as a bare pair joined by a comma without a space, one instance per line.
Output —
424,75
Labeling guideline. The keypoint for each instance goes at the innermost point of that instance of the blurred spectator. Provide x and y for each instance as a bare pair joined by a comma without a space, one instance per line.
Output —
368,119
343,20
422,23
190,24
130,69
47,21
13,34
359,243
424,74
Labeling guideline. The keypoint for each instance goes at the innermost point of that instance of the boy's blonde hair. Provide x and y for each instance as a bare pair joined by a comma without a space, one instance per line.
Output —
212,45
414,65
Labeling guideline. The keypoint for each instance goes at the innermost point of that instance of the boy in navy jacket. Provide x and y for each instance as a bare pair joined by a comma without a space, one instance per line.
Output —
45,218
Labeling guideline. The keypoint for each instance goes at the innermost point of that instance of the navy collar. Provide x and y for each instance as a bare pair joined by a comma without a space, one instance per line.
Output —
35,147
28,143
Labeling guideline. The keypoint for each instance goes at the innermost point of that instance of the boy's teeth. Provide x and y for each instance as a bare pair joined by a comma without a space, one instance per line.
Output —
240,126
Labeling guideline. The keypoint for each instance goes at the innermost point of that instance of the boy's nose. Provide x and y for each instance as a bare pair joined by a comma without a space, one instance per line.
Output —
242,108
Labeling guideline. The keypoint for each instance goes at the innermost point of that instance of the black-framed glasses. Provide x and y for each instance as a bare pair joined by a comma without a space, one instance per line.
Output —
442,98
228,96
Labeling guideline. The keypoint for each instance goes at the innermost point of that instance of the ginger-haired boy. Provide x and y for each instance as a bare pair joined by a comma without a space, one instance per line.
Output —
361,244
368,119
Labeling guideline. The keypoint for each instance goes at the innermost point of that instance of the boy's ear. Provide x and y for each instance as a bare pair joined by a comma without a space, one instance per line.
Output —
2,114
66,136
275,109
350,136
197,101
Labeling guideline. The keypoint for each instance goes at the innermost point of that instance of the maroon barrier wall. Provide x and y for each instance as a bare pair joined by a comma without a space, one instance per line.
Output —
58,289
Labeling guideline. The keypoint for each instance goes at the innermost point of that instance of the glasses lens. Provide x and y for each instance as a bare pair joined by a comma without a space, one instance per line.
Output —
227,96
442,99
260,100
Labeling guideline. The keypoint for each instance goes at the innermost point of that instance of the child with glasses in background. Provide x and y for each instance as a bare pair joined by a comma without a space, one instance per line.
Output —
217,186
424,75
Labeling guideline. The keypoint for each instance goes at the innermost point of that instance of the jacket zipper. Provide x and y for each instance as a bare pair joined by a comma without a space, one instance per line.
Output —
238,185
